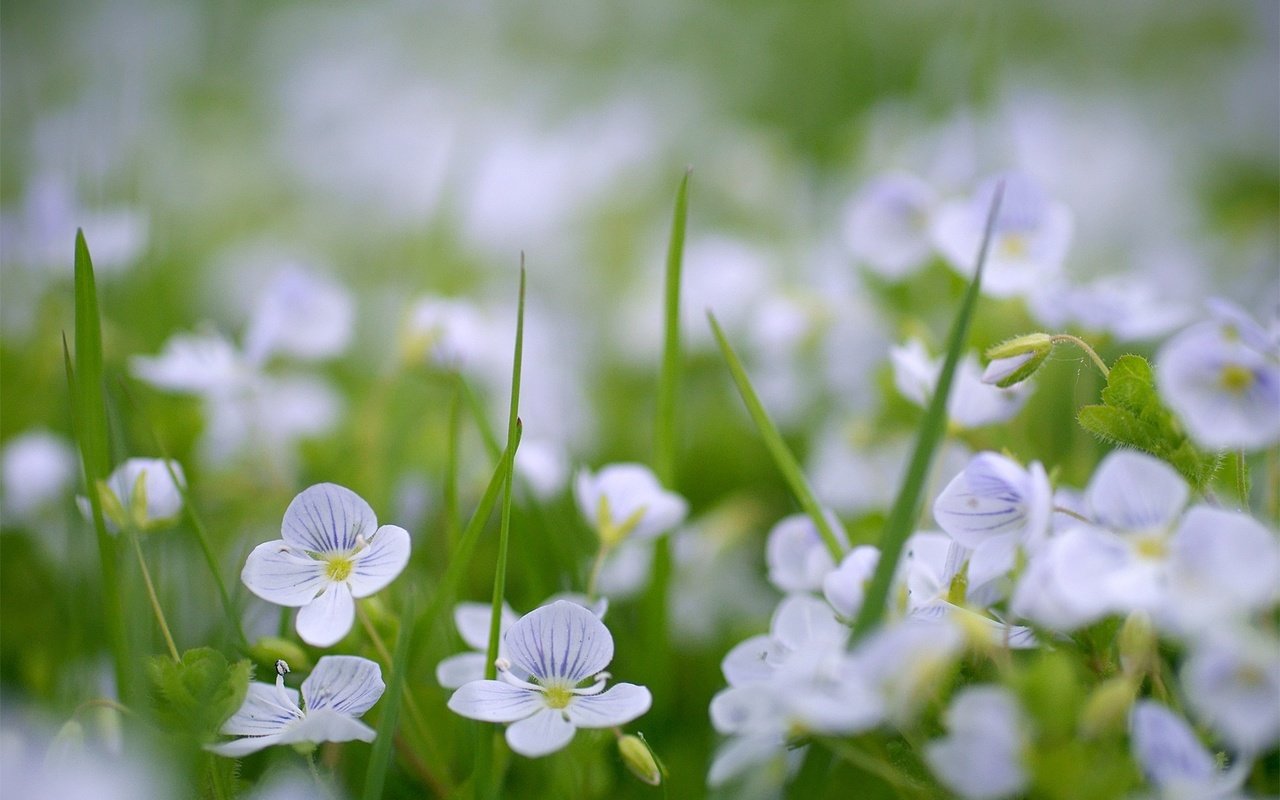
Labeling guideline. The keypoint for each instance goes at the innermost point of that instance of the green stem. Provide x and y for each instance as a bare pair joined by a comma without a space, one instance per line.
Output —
1242,480
596,564
452,525
664,455
1085,346
151,594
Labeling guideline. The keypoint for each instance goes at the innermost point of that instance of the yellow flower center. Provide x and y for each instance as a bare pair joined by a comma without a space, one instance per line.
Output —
1014,245
559,696
1151,547
338,568
1235,378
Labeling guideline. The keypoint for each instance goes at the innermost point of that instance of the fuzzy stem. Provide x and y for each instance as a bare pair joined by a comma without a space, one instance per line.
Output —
1083,345
151,594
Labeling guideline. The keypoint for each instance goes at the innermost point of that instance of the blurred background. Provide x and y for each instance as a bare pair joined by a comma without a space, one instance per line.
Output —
405,155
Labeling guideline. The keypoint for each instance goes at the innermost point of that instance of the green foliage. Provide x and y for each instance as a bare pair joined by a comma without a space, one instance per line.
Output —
1131,414
195,695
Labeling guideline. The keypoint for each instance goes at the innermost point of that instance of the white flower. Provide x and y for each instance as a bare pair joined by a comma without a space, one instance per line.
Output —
972,403
887,224
331,551
1173,759
1130,307
448,333
1222,565
625,500
38,469
904,661
1231,681
846,586
559,646
1028,244
543,466
1222,377
338,690
981,757
300,314
140,494
796,554
992,507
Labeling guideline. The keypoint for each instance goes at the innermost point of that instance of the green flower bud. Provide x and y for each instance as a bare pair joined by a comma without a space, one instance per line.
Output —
1137,645
1107,709
270,649
639,759
1017,359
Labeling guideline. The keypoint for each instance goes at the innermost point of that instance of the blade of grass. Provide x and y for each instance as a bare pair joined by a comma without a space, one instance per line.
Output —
487,777
902,518
664,455
452,525
782,456
380,757
89,421
481,417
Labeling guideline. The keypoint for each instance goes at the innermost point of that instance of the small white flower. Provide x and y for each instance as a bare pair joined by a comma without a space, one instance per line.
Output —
338,690
1028,244
981,757
625,500
972,403
904,661
559,646
331,551
796,554
1173,759
1222,377
38,469
846,586
887,224
543,466
140,494
445,332
1129,307
1231,681
300,314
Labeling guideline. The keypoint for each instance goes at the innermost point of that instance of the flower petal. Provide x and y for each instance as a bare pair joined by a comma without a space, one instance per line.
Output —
325,620
328,725
282,574
1132,491
456,671
327,518
1166,748
378,564
540,735
347,684
617,706
985,500
472,621
562,642
495,701
263,711
238,748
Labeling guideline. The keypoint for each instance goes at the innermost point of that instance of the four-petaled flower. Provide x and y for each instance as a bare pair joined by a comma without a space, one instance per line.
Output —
338,690
331,551
559,646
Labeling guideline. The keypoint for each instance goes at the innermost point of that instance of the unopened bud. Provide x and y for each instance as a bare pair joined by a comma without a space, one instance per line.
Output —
1017,359
1137,644
639,759
273,650
1107,709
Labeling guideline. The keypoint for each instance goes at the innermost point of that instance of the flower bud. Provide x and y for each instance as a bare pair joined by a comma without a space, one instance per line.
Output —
271,649
1017,359
1137,644
1107,709
639,759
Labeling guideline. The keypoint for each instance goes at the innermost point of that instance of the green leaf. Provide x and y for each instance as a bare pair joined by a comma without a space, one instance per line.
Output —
1131,414
89,420
197,694
782,457
901,522
665,439
380,758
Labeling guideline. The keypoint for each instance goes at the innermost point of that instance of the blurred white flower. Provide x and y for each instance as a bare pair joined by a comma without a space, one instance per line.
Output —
886,224
1231,681
543,465
972,403
1222,377
559,646
905,661
1029,241
980,758
845,586
626,500
338,691
797,556
299,314
332,551
38,469
453,334
1173,759
1128,307
141,495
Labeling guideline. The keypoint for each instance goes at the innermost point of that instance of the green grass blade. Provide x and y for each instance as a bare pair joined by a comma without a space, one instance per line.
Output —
452,524
380,758
901,521
504,534
490,438
664,455
782,456
89,418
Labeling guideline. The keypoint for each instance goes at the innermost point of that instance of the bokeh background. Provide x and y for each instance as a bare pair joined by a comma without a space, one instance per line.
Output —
414,150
